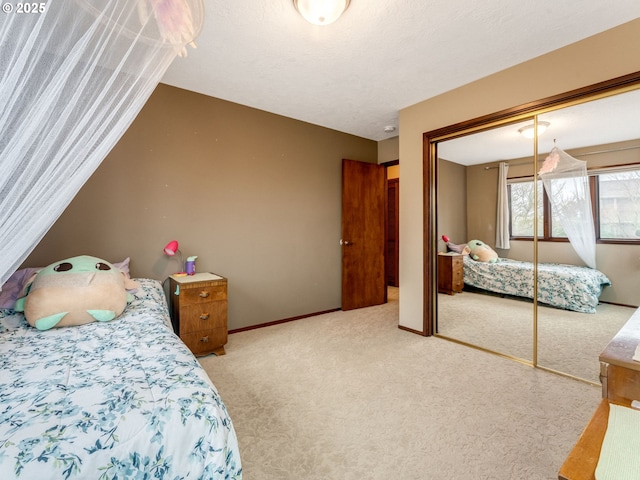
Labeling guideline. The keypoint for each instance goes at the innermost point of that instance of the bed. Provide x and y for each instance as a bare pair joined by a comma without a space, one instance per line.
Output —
569,287
118,399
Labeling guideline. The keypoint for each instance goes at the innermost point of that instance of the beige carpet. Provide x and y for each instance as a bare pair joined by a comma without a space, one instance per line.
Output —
350,396
567,341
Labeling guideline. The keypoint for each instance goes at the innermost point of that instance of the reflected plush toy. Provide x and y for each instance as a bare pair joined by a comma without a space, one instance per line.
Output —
482,252
75,291
452,247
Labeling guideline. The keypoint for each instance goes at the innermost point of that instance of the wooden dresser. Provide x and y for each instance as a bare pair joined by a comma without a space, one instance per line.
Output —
450,273
619,373
620,377
199,311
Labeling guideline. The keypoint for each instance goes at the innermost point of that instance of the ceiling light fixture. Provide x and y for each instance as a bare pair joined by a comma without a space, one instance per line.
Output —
528,130
389,128
321,12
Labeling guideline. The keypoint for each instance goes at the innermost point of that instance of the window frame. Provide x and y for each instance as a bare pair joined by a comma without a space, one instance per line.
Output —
594,185
594,192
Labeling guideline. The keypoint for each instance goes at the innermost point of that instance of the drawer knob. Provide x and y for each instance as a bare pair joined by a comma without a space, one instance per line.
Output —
204,294
204,316
204,339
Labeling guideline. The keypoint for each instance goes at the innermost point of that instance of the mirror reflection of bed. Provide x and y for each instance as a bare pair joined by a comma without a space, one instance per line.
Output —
585,312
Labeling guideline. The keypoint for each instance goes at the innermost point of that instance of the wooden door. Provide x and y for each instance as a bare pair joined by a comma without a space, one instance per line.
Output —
392,255
363,234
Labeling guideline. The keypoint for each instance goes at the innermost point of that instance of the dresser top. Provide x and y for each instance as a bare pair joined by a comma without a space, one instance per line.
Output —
620,350
197,277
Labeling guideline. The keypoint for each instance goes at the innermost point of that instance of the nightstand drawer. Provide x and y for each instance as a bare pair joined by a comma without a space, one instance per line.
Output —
450,273
194,295
199,311
195,318
205,342
458,273
457,277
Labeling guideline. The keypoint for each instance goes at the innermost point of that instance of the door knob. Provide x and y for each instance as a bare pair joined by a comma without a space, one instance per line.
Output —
345,242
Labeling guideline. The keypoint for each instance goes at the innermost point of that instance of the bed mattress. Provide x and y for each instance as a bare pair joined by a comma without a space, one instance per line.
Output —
570,287
120,399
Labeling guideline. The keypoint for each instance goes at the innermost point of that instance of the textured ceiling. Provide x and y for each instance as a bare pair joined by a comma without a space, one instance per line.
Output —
381,56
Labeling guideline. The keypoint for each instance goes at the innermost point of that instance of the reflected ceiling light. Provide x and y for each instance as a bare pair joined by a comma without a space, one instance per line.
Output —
528,130
321,12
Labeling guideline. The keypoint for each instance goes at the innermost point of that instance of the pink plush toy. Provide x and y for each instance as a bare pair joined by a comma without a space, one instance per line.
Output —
452,247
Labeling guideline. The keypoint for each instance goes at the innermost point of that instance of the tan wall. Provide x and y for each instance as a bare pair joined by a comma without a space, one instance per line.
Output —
255,195
482,203
452,203
610,54
388,150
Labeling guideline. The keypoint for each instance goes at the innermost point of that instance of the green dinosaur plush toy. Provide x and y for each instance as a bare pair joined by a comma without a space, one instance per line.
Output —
74,291
481,252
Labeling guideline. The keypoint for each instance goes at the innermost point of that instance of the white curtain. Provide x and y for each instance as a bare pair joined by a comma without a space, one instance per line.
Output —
567,185
75,73
502,217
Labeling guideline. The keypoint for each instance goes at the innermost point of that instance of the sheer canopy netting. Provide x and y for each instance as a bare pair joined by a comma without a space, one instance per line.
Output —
75,73
567,186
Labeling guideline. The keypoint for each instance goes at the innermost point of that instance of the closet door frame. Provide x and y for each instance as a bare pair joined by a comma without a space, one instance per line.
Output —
430,166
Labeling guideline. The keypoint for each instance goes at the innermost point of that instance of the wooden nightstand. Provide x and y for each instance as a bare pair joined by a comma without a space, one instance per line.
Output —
450,273
199,311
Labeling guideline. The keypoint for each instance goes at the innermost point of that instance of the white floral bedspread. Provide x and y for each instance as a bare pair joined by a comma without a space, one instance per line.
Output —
570,287
123,399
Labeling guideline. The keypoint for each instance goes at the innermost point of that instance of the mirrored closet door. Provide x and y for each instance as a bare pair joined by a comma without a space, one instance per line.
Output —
484,315
557,311
605,135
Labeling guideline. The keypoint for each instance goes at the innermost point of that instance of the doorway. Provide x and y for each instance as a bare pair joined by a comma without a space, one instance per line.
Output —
392,252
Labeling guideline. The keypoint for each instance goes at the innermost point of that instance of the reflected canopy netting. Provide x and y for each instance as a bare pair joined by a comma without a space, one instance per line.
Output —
566,184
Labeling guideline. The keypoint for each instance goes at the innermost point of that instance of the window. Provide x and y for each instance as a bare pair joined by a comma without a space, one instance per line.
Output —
619,205
616,204
521,208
